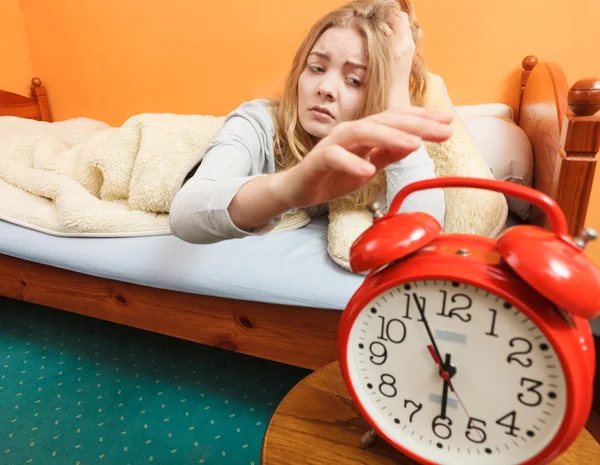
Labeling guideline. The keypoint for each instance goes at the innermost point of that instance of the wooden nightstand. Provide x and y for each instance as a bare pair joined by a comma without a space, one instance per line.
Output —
318,424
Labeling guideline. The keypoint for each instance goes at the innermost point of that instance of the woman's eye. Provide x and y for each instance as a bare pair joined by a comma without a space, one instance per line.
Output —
354,81
316,69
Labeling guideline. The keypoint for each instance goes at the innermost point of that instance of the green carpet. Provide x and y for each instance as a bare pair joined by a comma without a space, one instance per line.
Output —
76,390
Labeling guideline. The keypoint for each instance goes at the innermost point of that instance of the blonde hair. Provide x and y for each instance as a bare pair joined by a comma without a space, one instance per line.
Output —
292,142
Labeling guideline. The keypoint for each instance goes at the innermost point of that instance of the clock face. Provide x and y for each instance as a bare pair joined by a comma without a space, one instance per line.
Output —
504,394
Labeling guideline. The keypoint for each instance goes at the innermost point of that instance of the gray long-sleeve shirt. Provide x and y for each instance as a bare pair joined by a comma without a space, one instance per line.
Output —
242,150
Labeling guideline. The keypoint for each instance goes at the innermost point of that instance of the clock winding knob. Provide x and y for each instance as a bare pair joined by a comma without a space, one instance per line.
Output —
375,210
587,235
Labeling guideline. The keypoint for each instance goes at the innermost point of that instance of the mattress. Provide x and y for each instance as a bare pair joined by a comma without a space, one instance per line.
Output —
290,268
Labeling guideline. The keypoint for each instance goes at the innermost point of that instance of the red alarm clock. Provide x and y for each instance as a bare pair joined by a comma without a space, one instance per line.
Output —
463,349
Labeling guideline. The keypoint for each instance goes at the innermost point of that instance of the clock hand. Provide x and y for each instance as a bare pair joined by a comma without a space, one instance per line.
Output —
447,371
433,348
445,389
437,358
443,373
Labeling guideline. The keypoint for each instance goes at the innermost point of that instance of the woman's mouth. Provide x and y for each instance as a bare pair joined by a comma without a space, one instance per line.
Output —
321,113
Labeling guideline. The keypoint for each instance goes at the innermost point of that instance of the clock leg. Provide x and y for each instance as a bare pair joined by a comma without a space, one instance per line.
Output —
368,438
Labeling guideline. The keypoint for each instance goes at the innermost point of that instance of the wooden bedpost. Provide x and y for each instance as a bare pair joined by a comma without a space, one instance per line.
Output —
528,63
38,92
580,142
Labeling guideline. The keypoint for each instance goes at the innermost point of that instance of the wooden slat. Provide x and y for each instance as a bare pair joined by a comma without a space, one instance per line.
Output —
580,139
39,94
527,65
304,337
17,105
37,107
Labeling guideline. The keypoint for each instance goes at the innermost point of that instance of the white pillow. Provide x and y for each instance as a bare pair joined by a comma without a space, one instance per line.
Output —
501,110
507,150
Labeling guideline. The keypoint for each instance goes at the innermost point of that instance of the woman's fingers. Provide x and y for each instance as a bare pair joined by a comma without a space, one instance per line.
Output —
400,132
426,113
362,135
387,30
403,24
361,148
339,159
417,125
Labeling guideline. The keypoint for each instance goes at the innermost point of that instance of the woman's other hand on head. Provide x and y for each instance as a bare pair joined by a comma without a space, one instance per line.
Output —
402,46
345,160
400,39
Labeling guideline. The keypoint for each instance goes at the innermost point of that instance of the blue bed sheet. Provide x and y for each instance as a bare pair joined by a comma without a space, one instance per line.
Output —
290,268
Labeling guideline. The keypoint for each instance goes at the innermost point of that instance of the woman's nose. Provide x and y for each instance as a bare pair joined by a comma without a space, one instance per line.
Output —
326,89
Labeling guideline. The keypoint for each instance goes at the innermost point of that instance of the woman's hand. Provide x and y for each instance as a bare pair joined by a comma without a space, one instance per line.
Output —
402,47
354,152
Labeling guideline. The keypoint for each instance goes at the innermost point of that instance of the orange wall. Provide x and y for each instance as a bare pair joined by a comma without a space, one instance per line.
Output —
114,58
111,59
15,64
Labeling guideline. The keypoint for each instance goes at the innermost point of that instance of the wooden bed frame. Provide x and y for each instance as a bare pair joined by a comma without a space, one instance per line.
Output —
565,141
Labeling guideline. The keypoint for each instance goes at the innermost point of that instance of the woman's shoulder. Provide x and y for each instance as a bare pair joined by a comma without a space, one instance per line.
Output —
261,105
258,113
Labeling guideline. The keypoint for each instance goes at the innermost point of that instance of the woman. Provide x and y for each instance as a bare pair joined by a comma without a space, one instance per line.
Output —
347,122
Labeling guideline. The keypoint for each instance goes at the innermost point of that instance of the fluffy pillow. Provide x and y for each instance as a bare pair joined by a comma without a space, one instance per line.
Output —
507,150
469,211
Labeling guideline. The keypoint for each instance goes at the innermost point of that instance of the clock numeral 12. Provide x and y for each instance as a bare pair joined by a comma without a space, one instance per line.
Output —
454,311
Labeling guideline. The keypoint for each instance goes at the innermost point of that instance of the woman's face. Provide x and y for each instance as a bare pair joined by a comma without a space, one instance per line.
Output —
330,89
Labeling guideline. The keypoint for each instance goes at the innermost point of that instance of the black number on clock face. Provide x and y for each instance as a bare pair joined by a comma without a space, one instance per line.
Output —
524,347
493,324
388,386
509,421
378,353
414,300
500,364
533,397
415,405
394,330
441,427
475,432
460,299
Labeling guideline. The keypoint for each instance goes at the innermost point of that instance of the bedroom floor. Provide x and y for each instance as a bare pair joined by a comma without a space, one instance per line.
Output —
76,390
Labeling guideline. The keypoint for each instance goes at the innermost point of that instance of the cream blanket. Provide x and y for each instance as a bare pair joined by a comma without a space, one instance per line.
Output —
82,177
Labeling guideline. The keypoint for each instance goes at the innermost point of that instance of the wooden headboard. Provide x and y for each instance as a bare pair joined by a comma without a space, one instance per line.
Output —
35,107
565,136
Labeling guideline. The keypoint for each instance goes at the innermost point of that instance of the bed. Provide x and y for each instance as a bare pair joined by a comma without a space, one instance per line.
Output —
292,320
